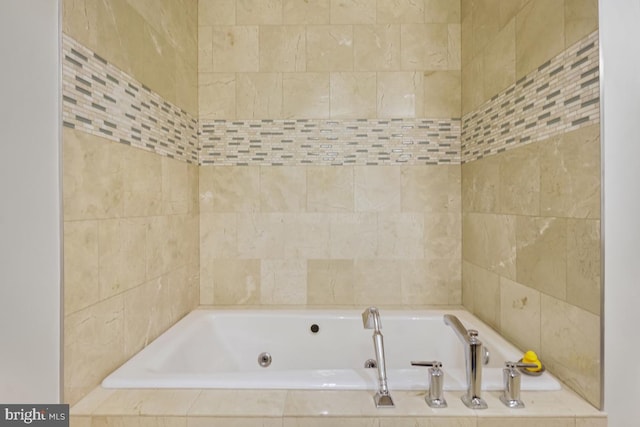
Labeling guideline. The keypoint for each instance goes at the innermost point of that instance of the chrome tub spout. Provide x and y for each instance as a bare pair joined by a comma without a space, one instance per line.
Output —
473,357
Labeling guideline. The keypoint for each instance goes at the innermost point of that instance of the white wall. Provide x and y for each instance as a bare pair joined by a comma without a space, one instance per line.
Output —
620,33
30,255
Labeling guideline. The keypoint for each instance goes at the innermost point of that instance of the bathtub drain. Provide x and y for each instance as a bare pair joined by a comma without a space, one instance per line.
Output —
264,359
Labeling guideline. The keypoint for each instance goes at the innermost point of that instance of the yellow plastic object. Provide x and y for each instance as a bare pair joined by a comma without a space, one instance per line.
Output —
532,357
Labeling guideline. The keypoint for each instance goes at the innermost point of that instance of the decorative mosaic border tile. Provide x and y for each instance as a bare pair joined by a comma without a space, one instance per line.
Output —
330,142
102,100
563,94
560,96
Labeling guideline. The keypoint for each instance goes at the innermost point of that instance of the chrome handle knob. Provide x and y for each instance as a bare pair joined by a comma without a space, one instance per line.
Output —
513,365
429,364
435,397
511,377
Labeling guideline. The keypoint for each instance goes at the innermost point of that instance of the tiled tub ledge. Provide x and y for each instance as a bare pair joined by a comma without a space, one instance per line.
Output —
293,408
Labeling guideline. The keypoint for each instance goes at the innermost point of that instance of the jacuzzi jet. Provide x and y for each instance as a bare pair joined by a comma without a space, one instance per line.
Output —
370,363
264,359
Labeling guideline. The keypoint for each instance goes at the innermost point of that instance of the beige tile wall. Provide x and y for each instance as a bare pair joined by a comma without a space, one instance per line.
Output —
531,251
130,253
203,408
504,40
531,215
323,235
153,41
328,59
329,235
130,216
408,421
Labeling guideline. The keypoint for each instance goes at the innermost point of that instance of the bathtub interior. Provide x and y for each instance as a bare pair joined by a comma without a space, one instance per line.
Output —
340,342
220,349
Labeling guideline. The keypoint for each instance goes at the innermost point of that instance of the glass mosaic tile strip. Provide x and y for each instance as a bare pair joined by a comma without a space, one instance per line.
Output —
102,100
330,142
561,95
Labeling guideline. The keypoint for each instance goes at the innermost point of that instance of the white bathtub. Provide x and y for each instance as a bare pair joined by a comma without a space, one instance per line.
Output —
220,349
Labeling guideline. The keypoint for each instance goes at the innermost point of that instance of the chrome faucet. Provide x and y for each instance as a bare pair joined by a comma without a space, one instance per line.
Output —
435,395
473,355
511,379
371,320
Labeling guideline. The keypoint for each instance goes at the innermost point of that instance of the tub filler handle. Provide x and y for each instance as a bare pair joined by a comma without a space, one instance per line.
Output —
371,320
511,377
435,395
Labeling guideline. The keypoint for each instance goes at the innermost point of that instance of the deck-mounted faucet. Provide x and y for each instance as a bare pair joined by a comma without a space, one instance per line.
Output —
371,320
473,355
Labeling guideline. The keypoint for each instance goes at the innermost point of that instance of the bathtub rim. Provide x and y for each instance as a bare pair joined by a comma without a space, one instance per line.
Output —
115,380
